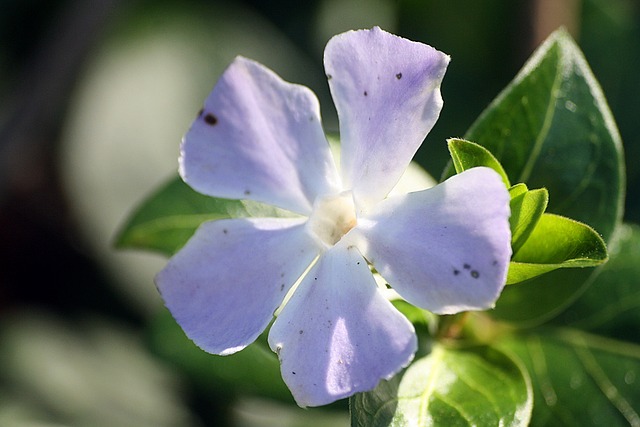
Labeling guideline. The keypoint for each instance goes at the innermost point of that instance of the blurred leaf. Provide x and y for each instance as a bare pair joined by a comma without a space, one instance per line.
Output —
416,315
557,242
611,305
254,370
466,155
449,387
580,379
85,371
167,219
527,207
551,128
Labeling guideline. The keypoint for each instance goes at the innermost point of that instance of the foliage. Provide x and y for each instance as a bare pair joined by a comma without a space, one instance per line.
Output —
552,139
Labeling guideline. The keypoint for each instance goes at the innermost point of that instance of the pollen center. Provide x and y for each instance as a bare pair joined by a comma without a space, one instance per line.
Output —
332,217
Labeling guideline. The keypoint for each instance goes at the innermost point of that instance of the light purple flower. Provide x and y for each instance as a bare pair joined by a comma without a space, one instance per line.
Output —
445,249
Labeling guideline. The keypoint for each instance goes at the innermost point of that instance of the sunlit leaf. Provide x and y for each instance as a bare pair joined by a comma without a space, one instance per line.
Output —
466,155
527,207
557,242
466,387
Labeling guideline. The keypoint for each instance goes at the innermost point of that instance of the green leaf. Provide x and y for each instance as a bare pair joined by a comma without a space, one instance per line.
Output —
611,305
449,387
557,242
253,370
527,207
551,128
562,241
416,315
580,379
167,219
466,155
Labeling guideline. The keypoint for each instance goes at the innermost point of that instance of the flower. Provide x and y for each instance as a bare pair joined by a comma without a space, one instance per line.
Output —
445,249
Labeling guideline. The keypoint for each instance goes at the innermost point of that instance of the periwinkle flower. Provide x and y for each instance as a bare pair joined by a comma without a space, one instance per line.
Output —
445,249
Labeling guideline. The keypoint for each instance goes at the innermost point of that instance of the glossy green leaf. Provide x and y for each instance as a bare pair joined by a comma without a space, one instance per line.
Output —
611,305
551,128
580,379
557,242
560,240
466,155
527,207
167,219
477,386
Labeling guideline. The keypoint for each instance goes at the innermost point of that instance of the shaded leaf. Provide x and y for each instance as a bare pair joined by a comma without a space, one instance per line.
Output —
170,216
551,128
611,305
253,370
474,386
580,379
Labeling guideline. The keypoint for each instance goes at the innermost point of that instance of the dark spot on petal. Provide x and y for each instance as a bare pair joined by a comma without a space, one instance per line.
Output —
475,274
495,262
210,119
456,272
399,76
247,192
466,266
225,231
282,287
310,118
358,263
301,332
293,372
282,274
365,93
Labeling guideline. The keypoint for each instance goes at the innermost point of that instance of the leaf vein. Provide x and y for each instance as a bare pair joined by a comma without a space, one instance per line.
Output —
544,130
605,384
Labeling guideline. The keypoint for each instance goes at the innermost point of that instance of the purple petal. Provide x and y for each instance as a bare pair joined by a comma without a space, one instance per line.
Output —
387,93
338,335
260,138
446,249
226,282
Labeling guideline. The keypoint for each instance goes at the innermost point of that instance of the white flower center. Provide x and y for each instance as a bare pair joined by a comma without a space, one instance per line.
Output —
332,217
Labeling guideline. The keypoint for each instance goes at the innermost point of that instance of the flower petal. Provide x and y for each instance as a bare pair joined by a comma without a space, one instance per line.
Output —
260,138
226,282
338,335
387,93
446,249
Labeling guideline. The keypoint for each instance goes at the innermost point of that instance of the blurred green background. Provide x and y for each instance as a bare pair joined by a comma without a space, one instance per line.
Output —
94,98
